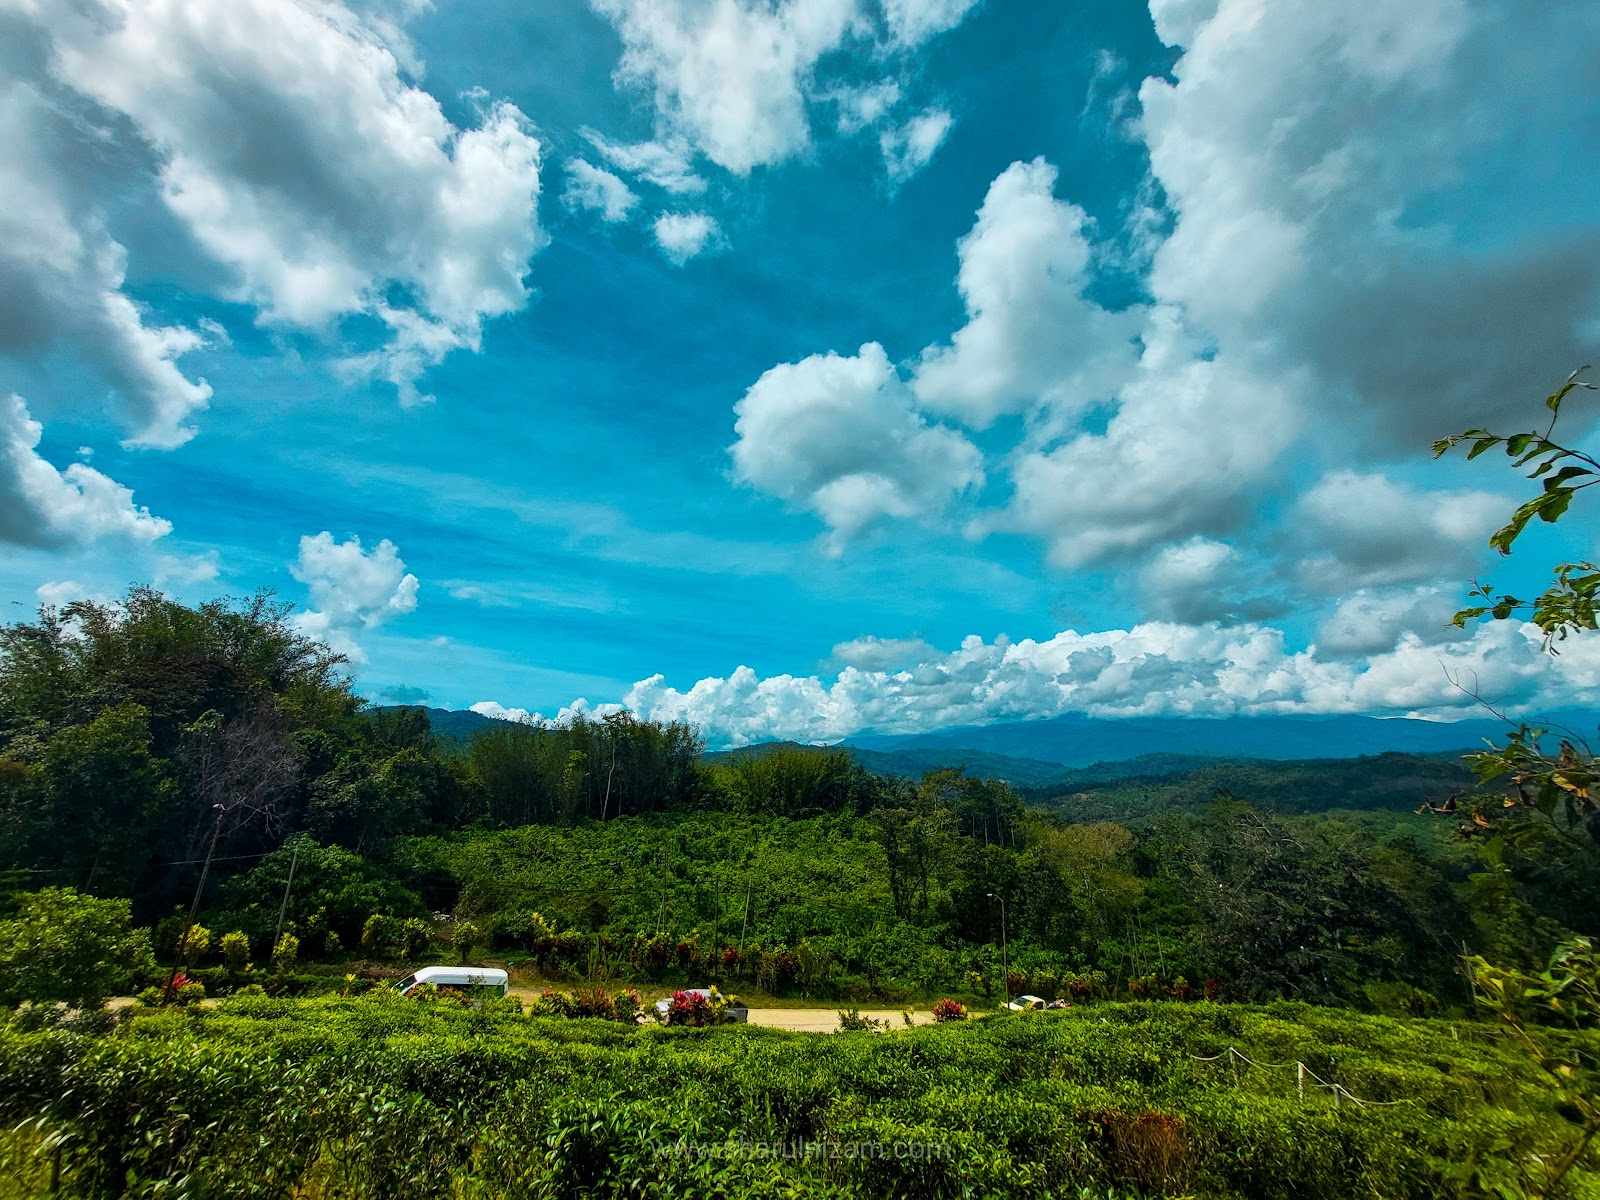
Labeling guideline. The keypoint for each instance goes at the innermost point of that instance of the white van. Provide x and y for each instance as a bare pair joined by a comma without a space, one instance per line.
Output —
483,980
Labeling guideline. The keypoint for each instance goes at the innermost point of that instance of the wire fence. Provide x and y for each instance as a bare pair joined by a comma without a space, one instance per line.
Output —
1304,1076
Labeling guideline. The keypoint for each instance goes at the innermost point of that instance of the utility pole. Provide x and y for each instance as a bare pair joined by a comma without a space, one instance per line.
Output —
183,940
746,925
1005,966
283,908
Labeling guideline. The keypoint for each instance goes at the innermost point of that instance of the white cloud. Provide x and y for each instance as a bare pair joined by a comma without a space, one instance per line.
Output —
1365,531
40,506
1372,621
1032,339
351,589
879,654
913,22
728,74
578,708
590,188
60,593
1151,669
1184,453
863,107
910,147
296,156
841,437
669,165
733,78
174,570
61,276
683,236
1362,193
1204,580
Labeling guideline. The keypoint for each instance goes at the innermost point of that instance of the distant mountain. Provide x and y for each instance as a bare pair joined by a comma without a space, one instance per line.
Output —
1076,741
453,725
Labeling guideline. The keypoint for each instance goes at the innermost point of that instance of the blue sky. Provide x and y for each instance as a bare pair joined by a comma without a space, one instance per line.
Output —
795,368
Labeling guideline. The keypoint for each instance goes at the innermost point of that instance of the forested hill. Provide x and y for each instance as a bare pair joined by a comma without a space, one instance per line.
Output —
1076,740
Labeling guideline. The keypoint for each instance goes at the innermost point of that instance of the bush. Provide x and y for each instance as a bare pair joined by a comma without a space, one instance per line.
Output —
949,1010
285,953
464,937
63,946
236,949
192,949
851,1021
395,937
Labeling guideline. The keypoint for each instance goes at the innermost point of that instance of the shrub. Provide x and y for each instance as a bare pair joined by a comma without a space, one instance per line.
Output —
285,953
949,1010
193,948
394,937
236,950
851,1021
189,992
69,947
464,937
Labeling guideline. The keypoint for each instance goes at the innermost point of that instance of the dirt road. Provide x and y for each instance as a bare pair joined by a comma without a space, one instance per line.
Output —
826,1020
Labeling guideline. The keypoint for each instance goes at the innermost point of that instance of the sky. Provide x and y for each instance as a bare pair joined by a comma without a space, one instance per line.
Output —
801,368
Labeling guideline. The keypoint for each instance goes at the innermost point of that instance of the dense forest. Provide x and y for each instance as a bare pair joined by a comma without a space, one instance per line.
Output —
173,756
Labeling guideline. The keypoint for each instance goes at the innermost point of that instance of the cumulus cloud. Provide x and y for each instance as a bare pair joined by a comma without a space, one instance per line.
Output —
61,274
729,75
291,149
1345,179
841,437
910,147
41,506
1364,530
592,189
1183,454
682,236
1031,338
734,78
580,707
1152,669
1204,580
351,589
1374,620
878,654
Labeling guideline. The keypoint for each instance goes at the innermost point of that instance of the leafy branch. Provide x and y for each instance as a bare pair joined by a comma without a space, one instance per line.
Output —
1565,471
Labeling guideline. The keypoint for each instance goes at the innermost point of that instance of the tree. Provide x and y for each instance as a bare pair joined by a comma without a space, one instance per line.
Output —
64,946
1550,805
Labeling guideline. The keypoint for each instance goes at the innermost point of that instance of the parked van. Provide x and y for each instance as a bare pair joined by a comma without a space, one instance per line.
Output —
489,981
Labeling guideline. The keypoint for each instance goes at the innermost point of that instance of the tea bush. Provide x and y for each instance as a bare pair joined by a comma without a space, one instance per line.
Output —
377,1097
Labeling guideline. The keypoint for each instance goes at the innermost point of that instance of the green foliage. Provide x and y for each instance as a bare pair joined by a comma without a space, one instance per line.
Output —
285,953
378,1097
464,937
1563,472
63,946
395,937
236,950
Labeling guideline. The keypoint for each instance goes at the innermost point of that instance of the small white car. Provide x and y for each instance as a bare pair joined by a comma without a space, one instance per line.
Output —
490,980
1025,1003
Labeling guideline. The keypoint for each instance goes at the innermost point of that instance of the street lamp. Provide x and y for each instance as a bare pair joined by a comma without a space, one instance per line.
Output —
1005,968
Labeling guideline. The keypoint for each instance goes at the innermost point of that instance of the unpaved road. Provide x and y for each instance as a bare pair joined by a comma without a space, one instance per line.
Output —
826,1020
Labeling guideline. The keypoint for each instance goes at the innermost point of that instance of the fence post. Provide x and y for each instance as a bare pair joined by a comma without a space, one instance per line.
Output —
1300,1075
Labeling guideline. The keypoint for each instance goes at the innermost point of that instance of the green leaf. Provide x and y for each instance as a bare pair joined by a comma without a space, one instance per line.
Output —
1479,446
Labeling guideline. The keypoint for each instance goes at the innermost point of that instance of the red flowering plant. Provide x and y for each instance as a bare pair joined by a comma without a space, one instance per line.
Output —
949,1010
